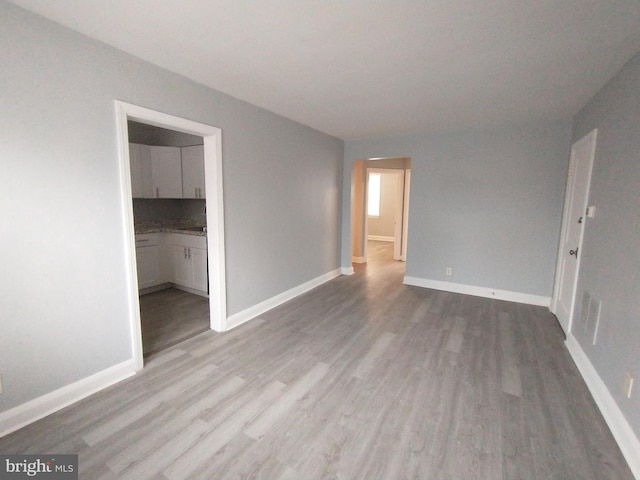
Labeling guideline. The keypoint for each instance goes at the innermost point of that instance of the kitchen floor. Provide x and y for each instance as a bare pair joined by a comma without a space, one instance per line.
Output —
171,316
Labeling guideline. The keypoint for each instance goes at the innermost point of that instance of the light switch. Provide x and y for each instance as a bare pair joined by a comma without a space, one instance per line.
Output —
591,211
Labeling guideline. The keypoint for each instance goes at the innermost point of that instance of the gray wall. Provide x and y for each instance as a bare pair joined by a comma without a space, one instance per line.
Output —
64,295
610,258
488,204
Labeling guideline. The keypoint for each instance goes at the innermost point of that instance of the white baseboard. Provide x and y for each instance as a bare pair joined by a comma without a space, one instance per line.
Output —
358,260
347,270
40,407
165,286
252,312
155,288
380,238
200,293
479,291
623,433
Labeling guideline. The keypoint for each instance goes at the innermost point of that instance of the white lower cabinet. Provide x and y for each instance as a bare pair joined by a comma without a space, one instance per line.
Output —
181,265
189,256
148,260
199,262
164,258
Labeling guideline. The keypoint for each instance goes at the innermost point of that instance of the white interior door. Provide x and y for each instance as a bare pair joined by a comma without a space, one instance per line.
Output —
577,194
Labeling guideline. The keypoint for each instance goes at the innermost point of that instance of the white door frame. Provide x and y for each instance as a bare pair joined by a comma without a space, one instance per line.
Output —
215,213
571,203
405,214
398,222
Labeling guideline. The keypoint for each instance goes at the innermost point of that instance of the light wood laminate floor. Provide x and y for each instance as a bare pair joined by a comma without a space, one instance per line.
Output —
360,378
171,316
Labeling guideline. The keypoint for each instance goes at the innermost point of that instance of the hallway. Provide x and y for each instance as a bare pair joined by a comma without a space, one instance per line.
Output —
380,262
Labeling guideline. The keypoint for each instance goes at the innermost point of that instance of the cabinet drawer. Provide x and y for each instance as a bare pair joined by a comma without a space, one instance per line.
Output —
193,241
147,239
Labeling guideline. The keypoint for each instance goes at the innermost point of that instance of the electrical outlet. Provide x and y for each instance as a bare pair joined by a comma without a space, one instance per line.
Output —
628,384
449,271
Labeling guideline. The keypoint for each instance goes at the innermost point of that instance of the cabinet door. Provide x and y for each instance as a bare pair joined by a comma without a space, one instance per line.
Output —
148,262
166,172
182,271
193,172
199,266
140,163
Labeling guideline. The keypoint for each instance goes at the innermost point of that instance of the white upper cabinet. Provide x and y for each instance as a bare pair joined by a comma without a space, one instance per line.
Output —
140,161
193,172
166,172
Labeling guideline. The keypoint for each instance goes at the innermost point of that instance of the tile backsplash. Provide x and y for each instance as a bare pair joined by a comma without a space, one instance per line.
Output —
168,210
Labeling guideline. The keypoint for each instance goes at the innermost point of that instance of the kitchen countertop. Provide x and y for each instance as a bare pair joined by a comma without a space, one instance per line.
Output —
159,227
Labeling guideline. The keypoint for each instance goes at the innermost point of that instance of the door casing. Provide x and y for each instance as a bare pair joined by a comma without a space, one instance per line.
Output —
212,137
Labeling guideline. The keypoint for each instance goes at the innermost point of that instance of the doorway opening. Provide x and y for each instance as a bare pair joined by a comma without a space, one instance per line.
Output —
169,209
214,213
380,209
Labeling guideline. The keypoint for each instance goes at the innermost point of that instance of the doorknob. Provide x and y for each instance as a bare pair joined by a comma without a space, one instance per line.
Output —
574,252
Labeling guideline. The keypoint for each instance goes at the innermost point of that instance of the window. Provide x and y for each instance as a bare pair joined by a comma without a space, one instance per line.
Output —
373,200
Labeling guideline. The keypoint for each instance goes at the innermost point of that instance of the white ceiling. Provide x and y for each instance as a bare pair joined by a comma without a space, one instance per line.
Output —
363,68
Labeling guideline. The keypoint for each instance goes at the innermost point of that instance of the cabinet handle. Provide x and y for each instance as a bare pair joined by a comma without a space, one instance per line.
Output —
189,253
157,192
142,240
185,252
